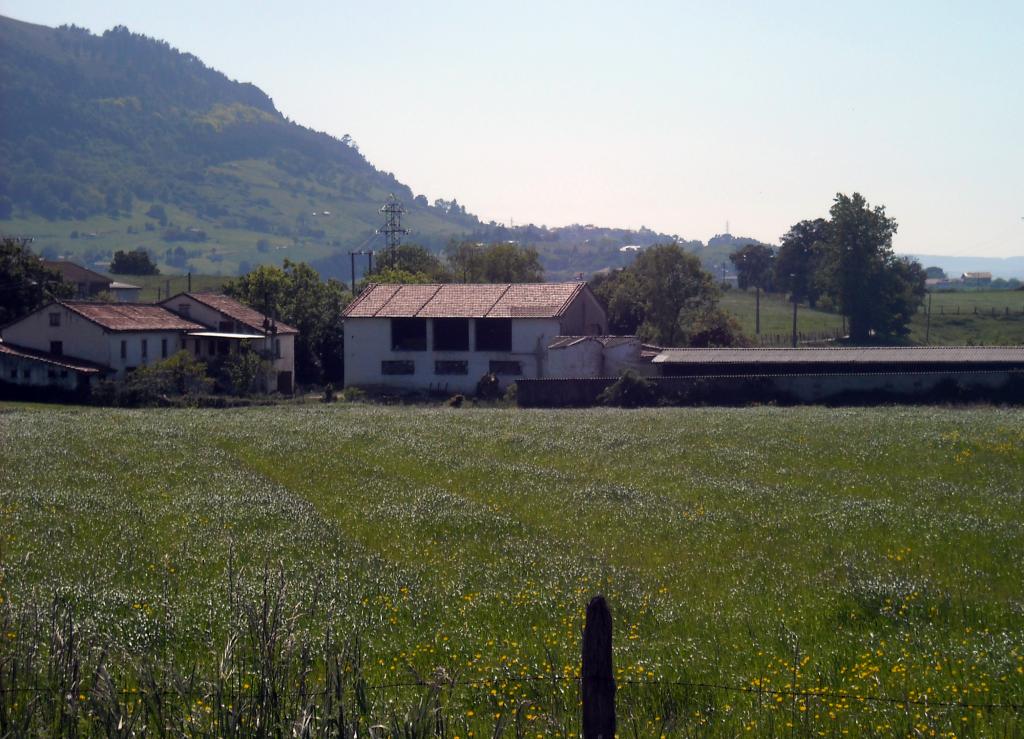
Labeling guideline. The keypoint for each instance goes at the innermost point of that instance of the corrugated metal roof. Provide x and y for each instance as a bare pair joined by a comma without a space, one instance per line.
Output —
58,360
844,355
131,316
235,310
504,300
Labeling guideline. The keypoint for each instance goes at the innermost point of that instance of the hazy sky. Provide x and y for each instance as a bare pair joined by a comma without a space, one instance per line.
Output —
675,115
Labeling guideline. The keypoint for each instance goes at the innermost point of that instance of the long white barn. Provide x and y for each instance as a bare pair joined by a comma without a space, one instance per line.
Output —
447,337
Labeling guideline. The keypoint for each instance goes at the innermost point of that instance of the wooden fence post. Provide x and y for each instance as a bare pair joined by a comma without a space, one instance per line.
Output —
597,673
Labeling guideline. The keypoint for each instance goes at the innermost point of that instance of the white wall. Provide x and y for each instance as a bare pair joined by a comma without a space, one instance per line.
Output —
84,339
81,338
133,348
368,343
582,359
36,373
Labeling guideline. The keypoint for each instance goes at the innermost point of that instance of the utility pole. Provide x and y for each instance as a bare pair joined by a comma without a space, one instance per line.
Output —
794,296
928,320
757,310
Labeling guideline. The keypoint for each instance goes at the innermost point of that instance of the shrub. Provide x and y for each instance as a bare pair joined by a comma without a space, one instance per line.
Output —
245,372
629,391
352,394
488,387
455,401
178,375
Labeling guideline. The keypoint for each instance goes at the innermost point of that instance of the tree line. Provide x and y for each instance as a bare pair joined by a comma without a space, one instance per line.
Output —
846,260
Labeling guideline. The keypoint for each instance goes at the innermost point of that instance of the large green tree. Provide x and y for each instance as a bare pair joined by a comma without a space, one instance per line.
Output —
754,264
798,263
412,259
135,262
664,297
472,262
877,291
295,294
25,283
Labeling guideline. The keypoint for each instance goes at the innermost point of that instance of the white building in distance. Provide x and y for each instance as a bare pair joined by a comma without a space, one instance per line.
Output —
446,337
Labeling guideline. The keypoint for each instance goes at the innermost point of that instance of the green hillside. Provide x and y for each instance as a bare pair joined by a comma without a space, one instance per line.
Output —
97,130
119,141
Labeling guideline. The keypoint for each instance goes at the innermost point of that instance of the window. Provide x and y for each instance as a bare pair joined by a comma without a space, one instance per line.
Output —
494,334
55,319
145,349
163,348
397,367
409,334
26,374
199,348
211,347
460,367
57,347
14,374
277,348
500,367
51,374
64,374
451,334
223,346
227,326
124,349
184,309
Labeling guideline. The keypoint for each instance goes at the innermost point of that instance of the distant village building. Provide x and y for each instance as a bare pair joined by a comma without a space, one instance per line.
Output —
976,279
70,344
446,337
89,284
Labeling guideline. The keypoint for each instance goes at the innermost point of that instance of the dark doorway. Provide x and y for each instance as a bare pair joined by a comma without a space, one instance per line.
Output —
284,383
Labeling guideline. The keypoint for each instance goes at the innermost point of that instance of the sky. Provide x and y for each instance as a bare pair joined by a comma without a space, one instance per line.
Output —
679,116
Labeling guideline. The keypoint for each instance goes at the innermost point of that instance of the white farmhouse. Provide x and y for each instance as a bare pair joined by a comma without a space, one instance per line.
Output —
446,337
118,336
69,344
230,321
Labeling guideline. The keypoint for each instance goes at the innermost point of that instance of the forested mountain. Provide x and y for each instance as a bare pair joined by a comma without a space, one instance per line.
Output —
99,130
118,142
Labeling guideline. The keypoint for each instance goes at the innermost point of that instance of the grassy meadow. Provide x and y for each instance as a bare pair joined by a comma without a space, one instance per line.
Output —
412,571
954,321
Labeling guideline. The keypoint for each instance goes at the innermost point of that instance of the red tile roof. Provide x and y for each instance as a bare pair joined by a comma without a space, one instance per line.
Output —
71,272
530,300
58,360
235,310
131,316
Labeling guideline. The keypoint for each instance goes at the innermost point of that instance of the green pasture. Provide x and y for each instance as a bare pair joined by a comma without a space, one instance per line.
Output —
866,564
777,316
156,287
958,318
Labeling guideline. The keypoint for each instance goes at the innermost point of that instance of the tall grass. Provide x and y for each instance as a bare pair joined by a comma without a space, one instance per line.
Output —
329,569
